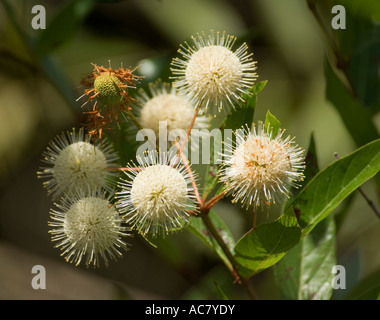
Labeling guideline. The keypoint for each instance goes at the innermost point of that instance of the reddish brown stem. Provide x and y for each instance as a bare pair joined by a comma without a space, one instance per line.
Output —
209,204
191,176
186,137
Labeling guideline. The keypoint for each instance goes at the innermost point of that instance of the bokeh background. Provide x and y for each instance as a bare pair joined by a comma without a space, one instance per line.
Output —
39,85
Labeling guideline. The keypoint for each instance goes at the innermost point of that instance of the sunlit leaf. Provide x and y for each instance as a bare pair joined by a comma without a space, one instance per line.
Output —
267,244
272,123
333,184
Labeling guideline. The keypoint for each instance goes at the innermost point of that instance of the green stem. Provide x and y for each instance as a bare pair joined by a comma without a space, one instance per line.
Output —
234,266
133,118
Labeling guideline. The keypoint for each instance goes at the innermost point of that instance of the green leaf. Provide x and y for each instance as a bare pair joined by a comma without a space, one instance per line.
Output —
364,69
267,244
272,123
367,289
63,26
361,48
355,116
60,81
333,184
305,272
244,114
211,179
199,229
221,295
311,169
311,161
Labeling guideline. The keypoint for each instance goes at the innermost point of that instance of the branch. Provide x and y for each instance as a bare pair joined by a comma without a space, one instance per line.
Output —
369,201
235,271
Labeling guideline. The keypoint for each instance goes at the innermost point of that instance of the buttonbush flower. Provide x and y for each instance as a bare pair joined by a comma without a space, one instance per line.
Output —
88,227
212,74
109,87
76,164
261,168
154,197
165,104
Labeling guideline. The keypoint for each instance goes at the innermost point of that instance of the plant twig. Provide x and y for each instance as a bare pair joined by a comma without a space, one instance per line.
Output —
204,210
133,118
186,137
369,201
209,204
340,61
191,175
234,270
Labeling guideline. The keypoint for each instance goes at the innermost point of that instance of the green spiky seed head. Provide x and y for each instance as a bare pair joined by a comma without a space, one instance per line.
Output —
107,85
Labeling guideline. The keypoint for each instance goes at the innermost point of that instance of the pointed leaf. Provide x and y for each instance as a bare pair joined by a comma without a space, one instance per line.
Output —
333,184
355,116
272,123
244,114
311,169
367,289
305,272
220,293
63,26
267,244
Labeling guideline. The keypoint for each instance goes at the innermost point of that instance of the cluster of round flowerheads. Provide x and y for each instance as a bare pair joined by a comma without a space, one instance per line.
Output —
88,225
157,196
85,222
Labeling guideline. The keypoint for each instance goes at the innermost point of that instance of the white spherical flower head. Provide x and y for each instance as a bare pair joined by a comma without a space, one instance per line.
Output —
164,106
88,227
76,164
155,197
261,169
212,74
